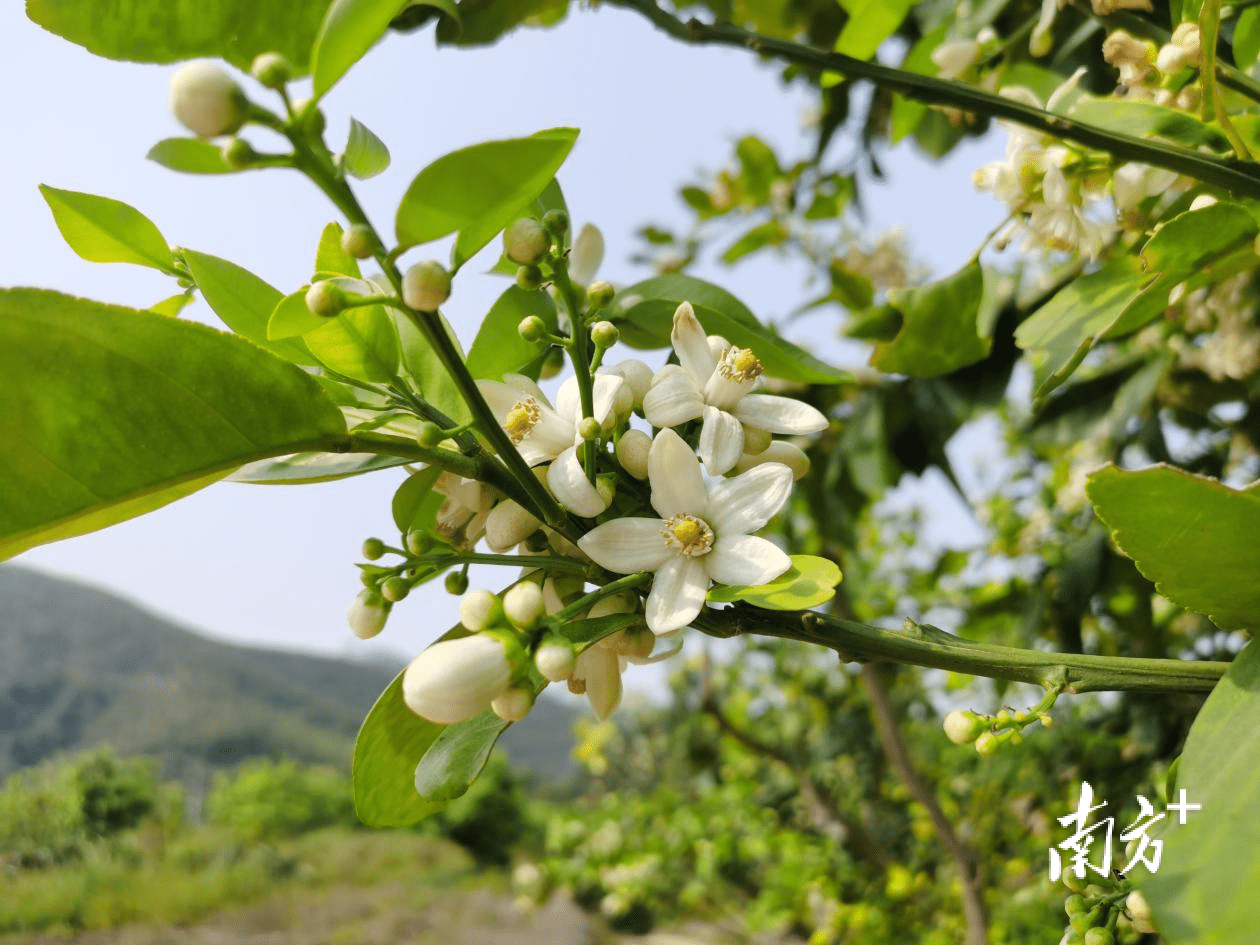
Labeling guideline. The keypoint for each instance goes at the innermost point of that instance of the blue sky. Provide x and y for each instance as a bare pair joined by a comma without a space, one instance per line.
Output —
274,566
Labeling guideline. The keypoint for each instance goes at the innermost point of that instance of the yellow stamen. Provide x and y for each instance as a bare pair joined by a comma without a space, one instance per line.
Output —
688,535
739,365
522,418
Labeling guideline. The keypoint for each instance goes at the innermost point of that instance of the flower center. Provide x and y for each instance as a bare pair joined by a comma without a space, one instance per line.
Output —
740,364
688,535
522,418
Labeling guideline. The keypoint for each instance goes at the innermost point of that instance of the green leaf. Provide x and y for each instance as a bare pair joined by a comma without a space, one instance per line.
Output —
647,321
292,319
809,582
161,31
350,28
1210,866
1193,536
906,113
243,301
123,411
1190,240
498,348
1147,120
1247,38
330,258
191,156
390,744
425,369
361,343
171,307
365,155
482,22
870,23
104,230
759,167
304,468
415,504
478,190
456,757
770,233
938,332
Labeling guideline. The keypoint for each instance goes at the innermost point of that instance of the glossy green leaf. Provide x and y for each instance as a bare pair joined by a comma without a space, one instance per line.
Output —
330,258
1146,120
426,372
361,343
456,757
938,332
499,348
243,301
478,190
1193,536
104,230
415,504
123,411
305,468
1193,239
390,744
870,23
190,156
350,28
810,581
647,320
365,155
291,318
770,233
1204,890
161,31
171,307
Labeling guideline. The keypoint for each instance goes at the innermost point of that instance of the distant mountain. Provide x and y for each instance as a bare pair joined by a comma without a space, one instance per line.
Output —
81,668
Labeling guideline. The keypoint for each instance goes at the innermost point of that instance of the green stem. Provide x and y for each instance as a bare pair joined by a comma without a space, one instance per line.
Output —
382,443
579,353
925,645
1209,29
1231,175
585,603
550,563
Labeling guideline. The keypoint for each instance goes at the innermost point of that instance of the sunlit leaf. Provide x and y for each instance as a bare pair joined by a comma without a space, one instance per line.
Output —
810,581
104,230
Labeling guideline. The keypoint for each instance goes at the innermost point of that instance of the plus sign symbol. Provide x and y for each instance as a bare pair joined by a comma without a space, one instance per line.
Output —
1183,807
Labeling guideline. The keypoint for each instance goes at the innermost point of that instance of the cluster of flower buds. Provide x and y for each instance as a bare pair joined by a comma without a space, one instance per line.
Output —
1097,911
990,732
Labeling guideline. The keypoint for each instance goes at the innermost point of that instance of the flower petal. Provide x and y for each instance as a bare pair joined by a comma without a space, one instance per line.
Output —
602,671
677,594
675,476
692,344
721,441
568,483
527,386
569,401
745,503
673,398
745,559
508,524
627,545
587,254
779,414
604,395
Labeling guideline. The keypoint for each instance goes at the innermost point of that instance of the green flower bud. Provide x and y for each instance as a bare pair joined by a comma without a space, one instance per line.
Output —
526,242
589,428
552,365
206,100
632,453
429,434
514,704
426,286
962,728
986,744
604,334
478,610
359,241
529,278
523,605
1080,921
556,222
1140,912
325,299
271,70
419,542
1074,905
532,329
373,548
599,294
1073,882
1100,937
395,589
456,582
555,659
309,117
237,153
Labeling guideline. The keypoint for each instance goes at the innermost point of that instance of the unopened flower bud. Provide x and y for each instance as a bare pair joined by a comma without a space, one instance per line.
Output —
955,57
456,582
359,242
604,334
419,542
589,428
206,100
373,548
1202,201
532,329
552,365
237,153
599,294
478,610
513,705
526,242
986,744
638,377
529,278
1140,912
325,299
523,604
310,118
426,286
756,441
606,489
600,670
962,728
556,222
508,524
429,434
632,453
454,680
368,614
587,254
632,642
555,659
395,589
1100,936
271,70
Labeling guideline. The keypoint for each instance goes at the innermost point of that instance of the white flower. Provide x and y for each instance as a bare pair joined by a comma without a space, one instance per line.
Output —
598,671
546,434
713,381
454,680
701,536
955,57
462,517
206,100
586,255
508,524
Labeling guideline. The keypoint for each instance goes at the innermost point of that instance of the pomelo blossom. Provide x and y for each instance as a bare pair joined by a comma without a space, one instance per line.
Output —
544,434
703,534
714,380
454,680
